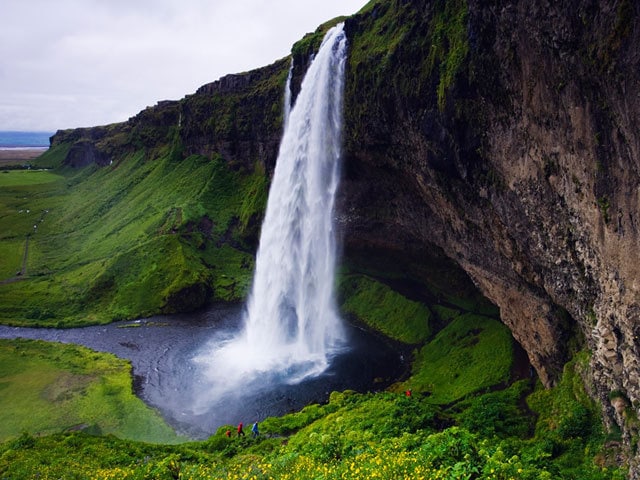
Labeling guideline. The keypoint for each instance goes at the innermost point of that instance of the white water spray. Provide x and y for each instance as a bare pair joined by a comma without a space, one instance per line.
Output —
292,326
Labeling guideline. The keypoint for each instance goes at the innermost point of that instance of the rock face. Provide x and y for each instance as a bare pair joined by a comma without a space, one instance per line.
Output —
238,117
522,168
502,135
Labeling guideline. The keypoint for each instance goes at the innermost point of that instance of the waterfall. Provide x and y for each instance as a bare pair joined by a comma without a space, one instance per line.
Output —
291,310
292,326
287,97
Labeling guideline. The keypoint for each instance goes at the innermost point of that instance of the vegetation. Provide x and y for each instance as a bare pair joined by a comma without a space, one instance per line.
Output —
389,435
384,309
449,44
471,354
394,70
160,230
50,387
12,178
132,239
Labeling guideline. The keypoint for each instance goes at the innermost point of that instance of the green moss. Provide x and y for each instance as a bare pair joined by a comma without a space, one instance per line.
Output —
401,56
567,408
251,113
384,309
569,421
49,388
470,354
449,43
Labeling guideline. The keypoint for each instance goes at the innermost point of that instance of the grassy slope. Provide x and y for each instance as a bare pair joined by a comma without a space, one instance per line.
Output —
135,238
455,424
383,309
470,354
48,388
383,435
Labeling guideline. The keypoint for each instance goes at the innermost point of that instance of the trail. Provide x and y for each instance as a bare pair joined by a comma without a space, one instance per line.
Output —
23,271
21,275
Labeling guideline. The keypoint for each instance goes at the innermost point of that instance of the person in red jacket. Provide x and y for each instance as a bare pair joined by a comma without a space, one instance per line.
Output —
240,431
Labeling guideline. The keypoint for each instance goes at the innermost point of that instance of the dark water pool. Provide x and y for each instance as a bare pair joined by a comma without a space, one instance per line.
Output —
161,350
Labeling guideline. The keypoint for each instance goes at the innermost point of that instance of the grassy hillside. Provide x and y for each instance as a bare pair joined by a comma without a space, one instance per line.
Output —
137,237
518,432
49,387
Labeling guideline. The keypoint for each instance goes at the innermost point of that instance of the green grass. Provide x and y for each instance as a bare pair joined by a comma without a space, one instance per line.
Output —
11,253
139,237
566,411
487,435
384,310
14,178
48,388
470,354
381,435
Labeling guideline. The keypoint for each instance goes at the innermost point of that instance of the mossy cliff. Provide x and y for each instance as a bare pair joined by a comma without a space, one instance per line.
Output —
487,144
503,136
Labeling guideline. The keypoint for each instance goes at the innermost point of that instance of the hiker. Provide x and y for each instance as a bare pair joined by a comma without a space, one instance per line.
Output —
254,430
408,393
228,433
240,431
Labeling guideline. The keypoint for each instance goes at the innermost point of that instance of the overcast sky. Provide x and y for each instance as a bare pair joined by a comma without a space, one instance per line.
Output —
75,63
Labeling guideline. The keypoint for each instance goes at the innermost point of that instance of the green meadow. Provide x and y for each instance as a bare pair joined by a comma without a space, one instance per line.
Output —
50,388
78,419
14,178
139,237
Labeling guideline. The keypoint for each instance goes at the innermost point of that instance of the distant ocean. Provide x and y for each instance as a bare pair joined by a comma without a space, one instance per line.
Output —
24,140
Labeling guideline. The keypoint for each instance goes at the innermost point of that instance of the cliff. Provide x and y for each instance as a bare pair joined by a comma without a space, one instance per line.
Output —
238,116
497,138
521,165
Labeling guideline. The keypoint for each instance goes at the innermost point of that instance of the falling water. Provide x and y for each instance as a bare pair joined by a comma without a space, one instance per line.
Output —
291,325
287,97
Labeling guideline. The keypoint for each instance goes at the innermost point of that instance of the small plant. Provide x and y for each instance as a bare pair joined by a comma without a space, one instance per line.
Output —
604,205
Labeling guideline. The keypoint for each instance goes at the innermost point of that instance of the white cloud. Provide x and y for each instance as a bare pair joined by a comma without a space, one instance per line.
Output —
73,63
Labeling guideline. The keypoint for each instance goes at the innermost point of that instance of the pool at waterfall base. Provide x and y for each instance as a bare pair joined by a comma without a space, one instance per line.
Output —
168,376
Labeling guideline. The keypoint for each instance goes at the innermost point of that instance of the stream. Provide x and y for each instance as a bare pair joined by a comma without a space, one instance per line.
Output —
163,352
